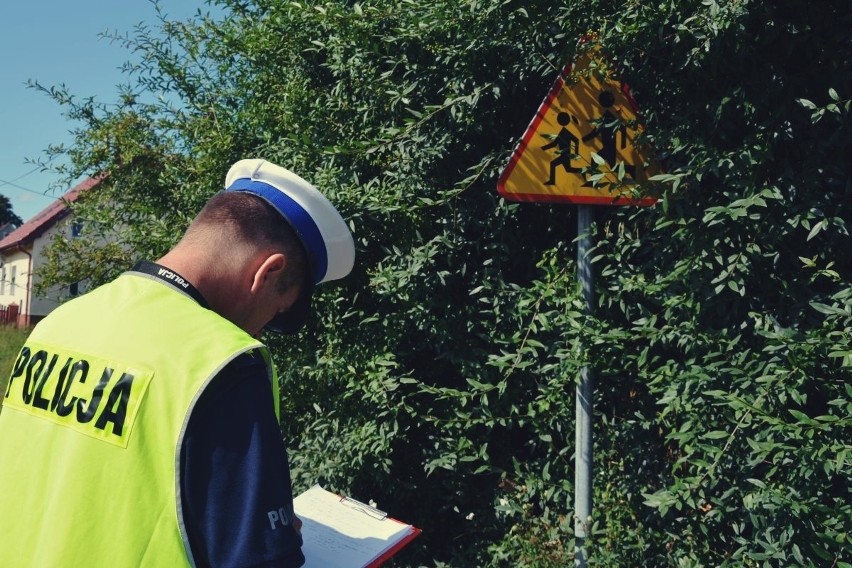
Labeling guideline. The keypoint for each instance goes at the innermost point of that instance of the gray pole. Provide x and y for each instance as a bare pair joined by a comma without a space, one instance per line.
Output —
584,392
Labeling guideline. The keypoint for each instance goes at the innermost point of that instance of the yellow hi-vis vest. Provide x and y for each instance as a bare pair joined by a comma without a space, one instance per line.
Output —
93,422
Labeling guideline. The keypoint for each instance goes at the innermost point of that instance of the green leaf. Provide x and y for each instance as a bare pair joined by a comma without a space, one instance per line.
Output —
827,309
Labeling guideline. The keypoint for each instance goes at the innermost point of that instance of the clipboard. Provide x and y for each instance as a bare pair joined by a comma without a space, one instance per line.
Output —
341,532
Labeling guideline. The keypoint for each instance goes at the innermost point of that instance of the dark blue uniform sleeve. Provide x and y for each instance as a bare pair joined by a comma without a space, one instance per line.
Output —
235,477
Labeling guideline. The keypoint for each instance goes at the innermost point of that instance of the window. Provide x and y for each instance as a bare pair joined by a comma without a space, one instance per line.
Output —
76,228
74,289
12,280
2,281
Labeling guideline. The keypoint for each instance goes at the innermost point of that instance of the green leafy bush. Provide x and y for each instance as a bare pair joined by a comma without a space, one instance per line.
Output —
438,379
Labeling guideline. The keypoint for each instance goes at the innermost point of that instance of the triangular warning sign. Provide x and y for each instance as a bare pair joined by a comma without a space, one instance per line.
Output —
583,144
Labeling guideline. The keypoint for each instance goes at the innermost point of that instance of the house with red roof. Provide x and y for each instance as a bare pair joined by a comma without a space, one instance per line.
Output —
22,253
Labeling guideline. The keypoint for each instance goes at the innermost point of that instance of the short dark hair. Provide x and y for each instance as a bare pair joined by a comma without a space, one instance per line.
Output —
255,221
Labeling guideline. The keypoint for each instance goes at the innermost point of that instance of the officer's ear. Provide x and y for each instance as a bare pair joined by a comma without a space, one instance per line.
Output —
269,272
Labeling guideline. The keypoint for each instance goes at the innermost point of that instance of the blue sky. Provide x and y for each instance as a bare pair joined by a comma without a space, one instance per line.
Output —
56,42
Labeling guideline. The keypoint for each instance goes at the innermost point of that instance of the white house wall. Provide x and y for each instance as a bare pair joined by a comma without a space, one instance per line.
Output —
24,267
14,278
44,303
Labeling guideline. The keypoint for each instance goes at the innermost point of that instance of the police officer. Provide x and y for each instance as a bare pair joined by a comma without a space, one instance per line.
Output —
140,426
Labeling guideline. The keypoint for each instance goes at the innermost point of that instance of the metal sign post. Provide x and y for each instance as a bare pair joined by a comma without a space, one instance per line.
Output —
567,156
584,391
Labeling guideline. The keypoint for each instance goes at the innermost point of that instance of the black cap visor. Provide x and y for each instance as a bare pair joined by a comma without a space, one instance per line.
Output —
293,319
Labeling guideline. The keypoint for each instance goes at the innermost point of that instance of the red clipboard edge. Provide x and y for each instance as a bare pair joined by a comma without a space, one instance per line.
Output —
387,554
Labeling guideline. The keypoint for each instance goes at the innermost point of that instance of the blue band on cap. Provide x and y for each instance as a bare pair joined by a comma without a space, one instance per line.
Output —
299,219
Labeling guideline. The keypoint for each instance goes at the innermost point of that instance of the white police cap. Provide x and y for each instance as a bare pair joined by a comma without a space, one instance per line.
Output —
322,231
319,226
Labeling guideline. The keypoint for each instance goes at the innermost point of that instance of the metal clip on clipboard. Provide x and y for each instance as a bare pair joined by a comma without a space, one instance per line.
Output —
364,508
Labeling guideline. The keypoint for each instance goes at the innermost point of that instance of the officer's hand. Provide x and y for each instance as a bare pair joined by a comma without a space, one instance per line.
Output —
297,525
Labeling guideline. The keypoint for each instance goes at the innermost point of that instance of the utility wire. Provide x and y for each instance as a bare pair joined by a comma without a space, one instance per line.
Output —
22,188
15,185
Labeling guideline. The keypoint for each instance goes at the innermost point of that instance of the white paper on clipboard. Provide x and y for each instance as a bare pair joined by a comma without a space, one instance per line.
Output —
339,532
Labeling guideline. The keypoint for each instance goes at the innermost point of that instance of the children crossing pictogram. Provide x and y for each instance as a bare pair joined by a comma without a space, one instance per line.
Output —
567,144
583,145
612,133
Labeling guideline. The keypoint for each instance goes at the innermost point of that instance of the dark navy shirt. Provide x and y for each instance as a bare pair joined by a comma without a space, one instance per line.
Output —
235,477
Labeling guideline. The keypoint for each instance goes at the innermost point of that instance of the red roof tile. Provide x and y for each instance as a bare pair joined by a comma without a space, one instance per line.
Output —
47,218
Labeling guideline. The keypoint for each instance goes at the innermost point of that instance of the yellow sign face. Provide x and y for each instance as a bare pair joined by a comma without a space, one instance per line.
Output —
582,145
